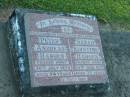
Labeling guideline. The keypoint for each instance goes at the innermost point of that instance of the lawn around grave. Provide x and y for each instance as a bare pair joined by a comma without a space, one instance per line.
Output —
107,11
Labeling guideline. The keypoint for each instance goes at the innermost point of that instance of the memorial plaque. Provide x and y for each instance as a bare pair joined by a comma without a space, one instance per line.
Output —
56,53
64,50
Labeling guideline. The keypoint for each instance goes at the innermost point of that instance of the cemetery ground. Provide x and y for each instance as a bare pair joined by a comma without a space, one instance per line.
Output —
113,17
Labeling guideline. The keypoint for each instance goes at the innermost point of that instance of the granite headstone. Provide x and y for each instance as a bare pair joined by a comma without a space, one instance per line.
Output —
57,53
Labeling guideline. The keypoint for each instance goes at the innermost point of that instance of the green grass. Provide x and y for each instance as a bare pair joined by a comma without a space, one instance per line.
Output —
116,11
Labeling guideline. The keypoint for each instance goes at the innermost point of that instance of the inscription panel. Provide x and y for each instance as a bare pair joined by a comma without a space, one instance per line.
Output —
64,50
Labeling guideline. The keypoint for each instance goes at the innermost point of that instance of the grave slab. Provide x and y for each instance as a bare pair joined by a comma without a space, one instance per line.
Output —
57,53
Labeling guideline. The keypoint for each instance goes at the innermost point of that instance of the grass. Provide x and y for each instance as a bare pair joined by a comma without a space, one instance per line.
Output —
111,11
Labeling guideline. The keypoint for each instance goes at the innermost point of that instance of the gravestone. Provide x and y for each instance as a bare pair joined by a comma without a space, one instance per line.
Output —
56,53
